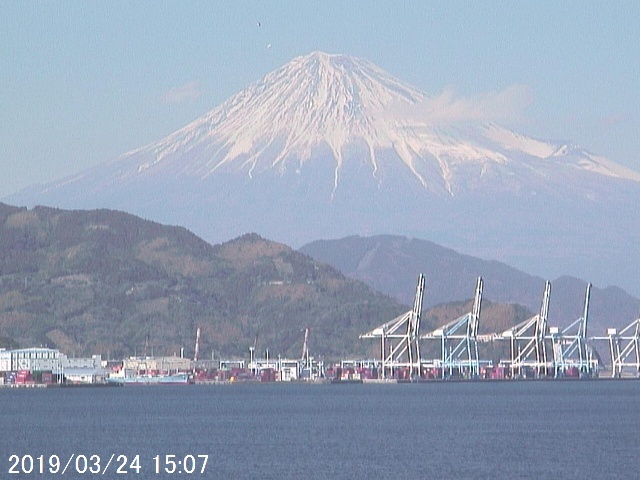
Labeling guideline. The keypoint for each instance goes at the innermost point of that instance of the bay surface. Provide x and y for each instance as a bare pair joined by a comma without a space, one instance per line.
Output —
475,430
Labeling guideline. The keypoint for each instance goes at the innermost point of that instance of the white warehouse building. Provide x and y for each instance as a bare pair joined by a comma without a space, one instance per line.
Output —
32,359
43,360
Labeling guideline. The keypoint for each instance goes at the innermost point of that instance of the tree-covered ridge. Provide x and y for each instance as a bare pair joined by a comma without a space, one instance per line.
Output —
107,282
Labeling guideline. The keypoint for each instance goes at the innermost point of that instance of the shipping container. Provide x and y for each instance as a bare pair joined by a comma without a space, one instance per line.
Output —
572,372
268,375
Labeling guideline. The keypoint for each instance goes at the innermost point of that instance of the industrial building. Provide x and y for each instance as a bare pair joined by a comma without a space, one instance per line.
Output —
45,365
31,359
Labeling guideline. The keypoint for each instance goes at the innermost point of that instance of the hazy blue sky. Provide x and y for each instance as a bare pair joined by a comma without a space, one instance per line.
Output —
83,82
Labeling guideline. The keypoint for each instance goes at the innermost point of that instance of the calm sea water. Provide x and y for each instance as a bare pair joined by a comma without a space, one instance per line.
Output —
503,430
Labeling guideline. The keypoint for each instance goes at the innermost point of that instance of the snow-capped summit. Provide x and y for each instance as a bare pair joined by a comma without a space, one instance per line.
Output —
331,145
341,103
318,99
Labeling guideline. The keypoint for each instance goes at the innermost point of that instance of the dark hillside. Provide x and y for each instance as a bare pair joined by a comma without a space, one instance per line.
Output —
107,282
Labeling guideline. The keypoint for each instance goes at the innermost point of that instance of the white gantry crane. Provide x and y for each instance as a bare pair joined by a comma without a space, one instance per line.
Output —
571,353
196,350
304,359
399,347
459,340
625,348
528,348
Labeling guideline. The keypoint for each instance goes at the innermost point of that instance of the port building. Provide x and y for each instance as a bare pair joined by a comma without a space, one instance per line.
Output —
31,359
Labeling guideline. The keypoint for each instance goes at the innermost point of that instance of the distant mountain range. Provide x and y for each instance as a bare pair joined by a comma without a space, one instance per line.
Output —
391,264
108,282
330,145
111,283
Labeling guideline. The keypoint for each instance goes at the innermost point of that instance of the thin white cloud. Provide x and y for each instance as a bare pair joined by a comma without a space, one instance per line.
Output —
613,120
506,106
190,91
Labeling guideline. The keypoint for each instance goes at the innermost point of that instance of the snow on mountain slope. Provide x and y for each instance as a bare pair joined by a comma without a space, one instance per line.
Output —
331,145
337,102
281,120
515,142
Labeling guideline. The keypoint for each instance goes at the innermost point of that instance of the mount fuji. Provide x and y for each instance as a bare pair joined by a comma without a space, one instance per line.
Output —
331,145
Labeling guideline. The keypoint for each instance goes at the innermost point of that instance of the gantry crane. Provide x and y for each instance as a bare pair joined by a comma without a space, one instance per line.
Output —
528,341
399,338
459,340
